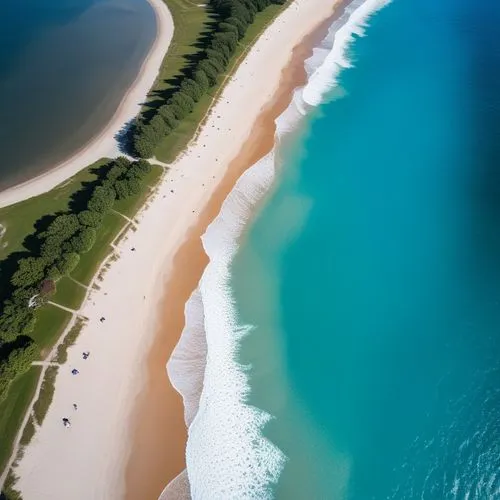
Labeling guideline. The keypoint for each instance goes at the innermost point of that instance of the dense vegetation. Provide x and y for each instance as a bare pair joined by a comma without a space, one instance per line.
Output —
233,19
54,252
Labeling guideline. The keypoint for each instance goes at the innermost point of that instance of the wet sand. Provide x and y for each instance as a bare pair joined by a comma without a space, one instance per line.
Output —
159,437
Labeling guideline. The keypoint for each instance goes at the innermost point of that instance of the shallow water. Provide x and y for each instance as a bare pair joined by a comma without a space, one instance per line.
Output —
65,65
372,272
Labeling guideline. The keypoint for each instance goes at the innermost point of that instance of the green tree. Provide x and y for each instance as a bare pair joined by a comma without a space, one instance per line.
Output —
83,241
144,166
134,185
212,68
68,262
16,319
51,248
122,189
63,227
201,78
231,28
221,57
115,172
171,114
192,89
102,200
182,100
160,127
240,26
90,219
230,39
30,271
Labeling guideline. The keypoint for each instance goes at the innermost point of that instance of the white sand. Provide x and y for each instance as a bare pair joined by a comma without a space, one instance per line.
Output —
105,144
88,460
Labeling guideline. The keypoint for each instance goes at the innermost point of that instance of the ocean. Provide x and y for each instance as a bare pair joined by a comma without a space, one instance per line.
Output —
65,66
351,307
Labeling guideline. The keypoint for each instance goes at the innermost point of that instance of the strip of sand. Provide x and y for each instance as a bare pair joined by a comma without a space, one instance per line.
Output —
159,407
89,459
105,143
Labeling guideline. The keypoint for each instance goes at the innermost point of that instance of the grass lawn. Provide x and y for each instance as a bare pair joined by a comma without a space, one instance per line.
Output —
174,143
50,323
19,219
69,294
13,408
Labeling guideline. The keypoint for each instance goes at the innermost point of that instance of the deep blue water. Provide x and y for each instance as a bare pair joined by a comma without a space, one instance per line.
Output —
372,272
65,65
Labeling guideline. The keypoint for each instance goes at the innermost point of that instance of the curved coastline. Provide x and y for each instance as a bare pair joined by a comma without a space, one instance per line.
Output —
106,419
104,143
215,395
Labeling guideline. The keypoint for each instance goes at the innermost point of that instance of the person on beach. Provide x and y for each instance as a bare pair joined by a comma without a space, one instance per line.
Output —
74,371
75,406
66,422
86,354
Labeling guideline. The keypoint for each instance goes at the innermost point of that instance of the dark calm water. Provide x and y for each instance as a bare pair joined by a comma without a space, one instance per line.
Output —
372,274
65,65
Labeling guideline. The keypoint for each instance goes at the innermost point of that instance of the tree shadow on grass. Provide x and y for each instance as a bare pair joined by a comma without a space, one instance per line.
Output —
158,98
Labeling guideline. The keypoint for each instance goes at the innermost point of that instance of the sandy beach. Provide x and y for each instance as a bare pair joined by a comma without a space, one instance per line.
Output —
105,143
90,459
152,464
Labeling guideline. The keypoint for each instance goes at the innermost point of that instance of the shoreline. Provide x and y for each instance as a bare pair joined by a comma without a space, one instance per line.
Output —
151,434
90,459
104,144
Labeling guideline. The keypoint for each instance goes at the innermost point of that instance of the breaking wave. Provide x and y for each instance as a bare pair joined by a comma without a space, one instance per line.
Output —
227,455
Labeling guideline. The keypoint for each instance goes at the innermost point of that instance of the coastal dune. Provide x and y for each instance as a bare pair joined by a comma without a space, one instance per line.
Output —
89,460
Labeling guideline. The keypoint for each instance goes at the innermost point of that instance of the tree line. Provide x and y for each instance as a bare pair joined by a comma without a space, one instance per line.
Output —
58,250
234,18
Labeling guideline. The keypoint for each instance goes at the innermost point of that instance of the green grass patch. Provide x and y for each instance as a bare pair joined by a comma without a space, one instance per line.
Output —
69,340
51,322
69,294
19,219
176,142
13,409
41,406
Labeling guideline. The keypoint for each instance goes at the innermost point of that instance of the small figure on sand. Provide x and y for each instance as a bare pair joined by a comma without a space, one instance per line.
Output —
101,319
66,422
85,354
74,371
133,249
75,406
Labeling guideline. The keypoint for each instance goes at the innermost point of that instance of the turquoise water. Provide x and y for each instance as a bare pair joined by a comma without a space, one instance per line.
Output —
65,65
372,271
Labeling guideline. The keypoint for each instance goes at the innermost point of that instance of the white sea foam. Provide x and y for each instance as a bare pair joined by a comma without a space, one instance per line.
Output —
227,455
330,58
